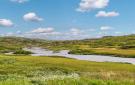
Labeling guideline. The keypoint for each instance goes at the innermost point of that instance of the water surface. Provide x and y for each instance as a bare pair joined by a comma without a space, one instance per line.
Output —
98,58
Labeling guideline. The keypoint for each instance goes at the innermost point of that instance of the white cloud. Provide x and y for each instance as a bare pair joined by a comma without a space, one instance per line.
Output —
6,23
107,14
87,5
19,1
75,31
104,28
118,32
43,33
50,33
43,30
31,16
18,32
9,34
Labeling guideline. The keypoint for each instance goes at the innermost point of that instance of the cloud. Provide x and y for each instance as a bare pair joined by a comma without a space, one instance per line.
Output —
43,33
107,14
87,5
31,16
19,1
43,30
18,32
9,34
118,32
75,31
105,28
51,31
6,23
51,34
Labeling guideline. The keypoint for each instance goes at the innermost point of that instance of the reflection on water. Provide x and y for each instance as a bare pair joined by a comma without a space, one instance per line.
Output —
98,58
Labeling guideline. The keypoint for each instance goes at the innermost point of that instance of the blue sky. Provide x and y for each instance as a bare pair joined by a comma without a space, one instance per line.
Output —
66,19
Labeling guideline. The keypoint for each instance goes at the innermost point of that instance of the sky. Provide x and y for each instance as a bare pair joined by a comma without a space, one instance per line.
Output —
66,19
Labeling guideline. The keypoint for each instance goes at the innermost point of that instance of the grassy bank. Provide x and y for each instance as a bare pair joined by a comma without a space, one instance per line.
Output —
27,70
126,53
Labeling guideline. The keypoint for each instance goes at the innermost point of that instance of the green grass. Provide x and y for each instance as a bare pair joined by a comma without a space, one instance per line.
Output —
28,70
65,82
126,53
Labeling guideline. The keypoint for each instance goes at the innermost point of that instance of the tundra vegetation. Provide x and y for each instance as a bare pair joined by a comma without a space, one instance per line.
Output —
119,46
23,69
28,70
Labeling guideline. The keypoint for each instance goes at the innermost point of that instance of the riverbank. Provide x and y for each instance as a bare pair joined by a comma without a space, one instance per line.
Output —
125,53
98,58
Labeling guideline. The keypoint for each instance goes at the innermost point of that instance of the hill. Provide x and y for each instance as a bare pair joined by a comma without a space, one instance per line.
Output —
123,46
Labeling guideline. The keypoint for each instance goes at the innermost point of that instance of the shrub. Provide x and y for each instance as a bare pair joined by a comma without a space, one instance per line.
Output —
127,47
81,52
22,52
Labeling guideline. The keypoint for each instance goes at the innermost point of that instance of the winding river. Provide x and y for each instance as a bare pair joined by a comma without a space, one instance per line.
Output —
98,58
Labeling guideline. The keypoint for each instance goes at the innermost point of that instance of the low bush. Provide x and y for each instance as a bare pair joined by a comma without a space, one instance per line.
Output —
127,47
22,52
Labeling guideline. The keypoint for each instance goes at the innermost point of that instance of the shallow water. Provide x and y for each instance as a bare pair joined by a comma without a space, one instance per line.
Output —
98,58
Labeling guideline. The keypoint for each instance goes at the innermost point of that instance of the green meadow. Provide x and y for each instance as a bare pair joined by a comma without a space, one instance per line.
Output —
28,70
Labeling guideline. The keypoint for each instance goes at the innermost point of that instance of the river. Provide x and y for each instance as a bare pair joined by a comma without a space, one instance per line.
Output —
98,58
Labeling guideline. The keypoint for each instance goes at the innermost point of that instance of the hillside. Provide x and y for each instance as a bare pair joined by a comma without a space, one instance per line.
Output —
123,46
106,41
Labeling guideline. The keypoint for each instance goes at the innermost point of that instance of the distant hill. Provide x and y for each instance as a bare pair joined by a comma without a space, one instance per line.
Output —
14,43
127,40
